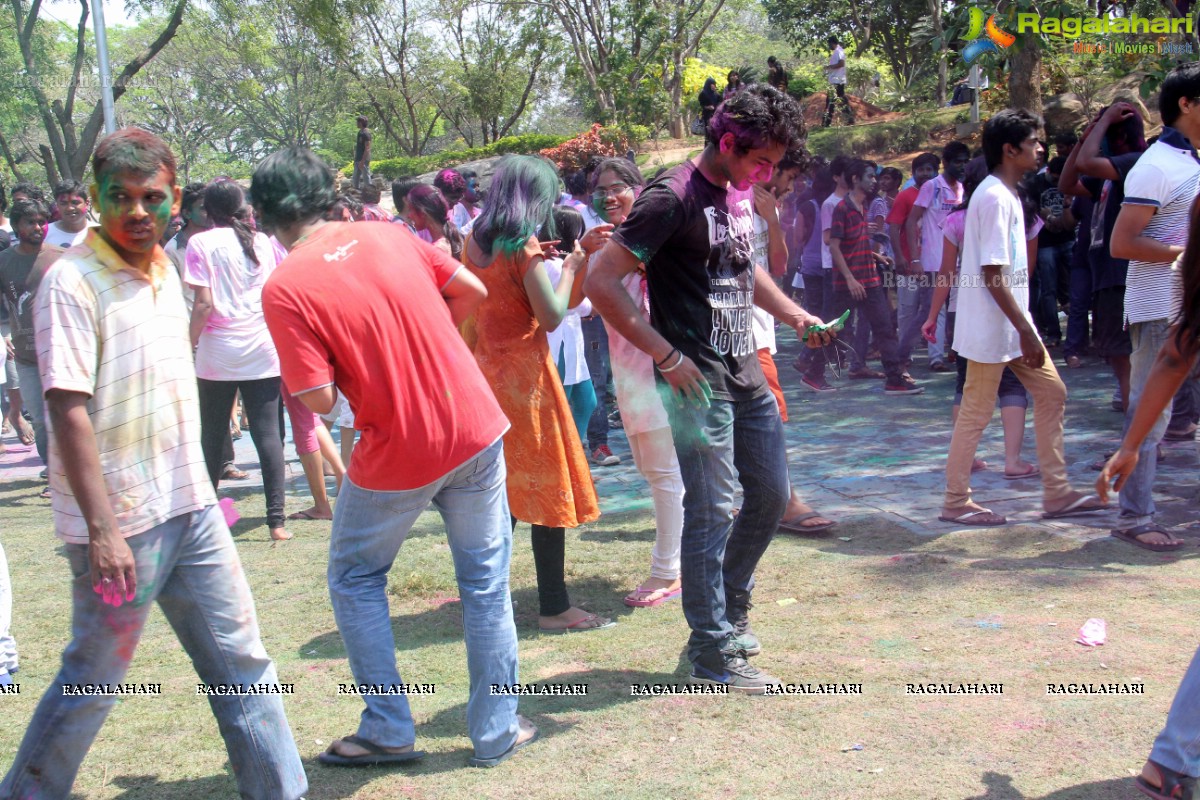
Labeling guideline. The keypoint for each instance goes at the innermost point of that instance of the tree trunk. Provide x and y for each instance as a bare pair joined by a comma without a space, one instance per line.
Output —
1025,78
675,88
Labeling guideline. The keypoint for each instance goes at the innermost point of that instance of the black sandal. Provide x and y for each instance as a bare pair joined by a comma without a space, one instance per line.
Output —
1171,785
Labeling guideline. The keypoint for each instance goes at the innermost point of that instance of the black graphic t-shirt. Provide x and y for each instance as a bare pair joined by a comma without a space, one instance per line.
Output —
696,240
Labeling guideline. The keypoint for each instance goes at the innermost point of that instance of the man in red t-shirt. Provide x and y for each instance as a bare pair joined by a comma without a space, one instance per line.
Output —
370,311
925,167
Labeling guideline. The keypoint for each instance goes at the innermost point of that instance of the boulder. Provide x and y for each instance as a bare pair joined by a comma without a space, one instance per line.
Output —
1128,89
1064,112
483,168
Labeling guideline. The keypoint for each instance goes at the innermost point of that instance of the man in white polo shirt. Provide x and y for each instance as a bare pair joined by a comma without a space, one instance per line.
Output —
132,499
1151,232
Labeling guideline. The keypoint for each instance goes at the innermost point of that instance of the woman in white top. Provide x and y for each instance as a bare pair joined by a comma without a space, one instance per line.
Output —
566,341
227,266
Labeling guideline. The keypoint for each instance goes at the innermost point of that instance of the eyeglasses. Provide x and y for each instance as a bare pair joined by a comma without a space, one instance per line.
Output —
615,190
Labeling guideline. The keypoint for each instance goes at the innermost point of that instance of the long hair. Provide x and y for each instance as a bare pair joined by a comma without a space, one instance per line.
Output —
569,228
518,205
226,206
430,202
1187,338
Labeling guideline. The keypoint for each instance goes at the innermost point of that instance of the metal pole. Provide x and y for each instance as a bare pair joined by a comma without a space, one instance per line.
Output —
106,92
974,91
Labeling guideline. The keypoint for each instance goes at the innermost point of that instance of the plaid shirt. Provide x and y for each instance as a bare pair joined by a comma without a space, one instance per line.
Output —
850,227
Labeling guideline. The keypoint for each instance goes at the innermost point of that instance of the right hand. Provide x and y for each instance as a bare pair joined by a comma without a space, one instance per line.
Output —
1033,352
576,258
1118,469
857,291
1117,112
929,330
688,383
114,571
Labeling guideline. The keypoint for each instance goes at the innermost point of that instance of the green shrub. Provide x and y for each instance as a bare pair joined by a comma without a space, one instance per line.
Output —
409,166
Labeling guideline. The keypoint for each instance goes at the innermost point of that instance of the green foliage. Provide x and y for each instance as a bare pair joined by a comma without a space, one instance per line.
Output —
880,138
408,166
574,154
695,73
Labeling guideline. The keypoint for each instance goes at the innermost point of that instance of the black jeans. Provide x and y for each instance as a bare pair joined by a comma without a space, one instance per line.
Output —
818,300
549,563
261,402
838,91
876,312
595,349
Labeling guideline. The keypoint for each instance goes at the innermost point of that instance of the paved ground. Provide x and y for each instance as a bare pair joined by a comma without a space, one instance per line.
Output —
863,457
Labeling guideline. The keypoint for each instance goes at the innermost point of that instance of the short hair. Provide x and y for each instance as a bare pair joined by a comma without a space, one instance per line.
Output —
771,60
468,173
1182,82
855,167
955,150
926,159
823,185
370,193
290,186
837,167
1056,165
450,182
576,182
70,187
758,116
30,190
832,40
192,193
893,172
135,151
1011,126
400,189
362,120
23,209
792,159
625,170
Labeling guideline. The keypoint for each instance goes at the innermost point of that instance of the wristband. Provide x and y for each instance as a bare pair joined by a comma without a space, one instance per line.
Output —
666,358
673,367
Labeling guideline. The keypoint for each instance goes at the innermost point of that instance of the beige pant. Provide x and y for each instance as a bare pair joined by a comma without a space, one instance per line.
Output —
979,402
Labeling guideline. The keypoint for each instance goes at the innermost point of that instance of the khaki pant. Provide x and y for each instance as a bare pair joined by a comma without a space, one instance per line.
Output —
979,401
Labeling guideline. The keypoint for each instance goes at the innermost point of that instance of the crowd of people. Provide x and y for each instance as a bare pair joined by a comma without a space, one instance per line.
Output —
463,350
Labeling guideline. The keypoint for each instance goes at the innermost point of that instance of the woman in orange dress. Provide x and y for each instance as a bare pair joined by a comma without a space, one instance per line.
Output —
549,484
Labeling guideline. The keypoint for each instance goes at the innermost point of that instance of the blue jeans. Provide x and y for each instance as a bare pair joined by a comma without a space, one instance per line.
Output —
718,554
1076,343
595,351
368,529
914,295
1136,498
190,565
1045,306
34,402
1178,746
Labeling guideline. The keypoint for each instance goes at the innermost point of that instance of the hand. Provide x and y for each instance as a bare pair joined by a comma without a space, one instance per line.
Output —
688,383
857,291
1033,353
114,572
1117,113
802,322
929,330
1118,469
874,228
914,267
764,202
576,258
596,238
548,248
901,265
8,347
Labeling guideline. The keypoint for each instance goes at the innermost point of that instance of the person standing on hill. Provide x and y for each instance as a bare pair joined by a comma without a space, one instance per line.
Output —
362,154
836,70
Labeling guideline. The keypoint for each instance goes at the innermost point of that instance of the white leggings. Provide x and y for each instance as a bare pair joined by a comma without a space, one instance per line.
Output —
654,455
8,648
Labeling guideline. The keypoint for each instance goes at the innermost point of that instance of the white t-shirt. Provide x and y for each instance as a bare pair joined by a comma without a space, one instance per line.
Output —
463,217
235,344
1165,178
826,223
57,237
938,198
762,324
567,339
837,75
993,234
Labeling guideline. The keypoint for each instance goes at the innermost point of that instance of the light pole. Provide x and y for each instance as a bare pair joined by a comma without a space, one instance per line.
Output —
106,92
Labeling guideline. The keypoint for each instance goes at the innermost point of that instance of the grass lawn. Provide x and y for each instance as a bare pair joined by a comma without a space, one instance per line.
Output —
885,608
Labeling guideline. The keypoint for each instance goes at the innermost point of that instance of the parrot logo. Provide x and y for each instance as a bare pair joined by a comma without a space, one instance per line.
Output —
986,36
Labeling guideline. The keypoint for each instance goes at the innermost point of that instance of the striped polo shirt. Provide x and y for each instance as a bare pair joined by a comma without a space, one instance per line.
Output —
120,336
1166,178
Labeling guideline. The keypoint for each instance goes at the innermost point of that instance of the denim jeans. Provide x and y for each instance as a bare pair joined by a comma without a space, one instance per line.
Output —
1076,343
818,301
1178,745
718,554
595,350
1045,306
368,529
914,294
1136,498
874,313
35,403
190,566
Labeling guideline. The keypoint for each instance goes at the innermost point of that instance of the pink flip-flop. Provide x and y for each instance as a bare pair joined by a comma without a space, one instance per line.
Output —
643,598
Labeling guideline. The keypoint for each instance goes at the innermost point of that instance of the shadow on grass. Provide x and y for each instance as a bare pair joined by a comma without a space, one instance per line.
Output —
443,621
999,787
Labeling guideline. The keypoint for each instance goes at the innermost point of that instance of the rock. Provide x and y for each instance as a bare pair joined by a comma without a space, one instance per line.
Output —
1064,112
483,168
1128,89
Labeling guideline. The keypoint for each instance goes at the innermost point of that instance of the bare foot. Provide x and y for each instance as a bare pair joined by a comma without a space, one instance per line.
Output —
978,465
280,535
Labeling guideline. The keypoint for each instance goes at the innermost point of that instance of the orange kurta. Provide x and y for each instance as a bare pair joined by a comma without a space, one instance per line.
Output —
549,482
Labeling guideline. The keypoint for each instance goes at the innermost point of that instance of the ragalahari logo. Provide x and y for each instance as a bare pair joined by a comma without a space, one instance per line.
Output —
986,37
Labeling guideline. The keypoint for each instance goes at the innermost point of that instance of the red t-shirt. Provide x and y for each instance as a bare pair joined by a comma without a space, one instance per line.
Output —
359,305
901,208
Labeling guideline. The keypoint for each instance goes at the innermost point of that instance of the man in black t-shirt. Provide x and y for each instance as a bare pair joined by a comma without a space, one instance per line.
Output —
1054,250
693,229
362,155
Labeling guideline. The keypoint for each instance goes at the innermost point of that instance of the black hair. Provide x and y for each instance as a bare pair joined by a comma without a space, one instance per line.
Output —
369,193
361,120
290,186
856,167
132,150
1065,140
1012,126
30,190
27,208
468,174
771,60
894,172
576,182
832,40
1182,82
926,158
1056,165
758,116
625,171
400,189
793,159
823,185
430,202
225,204
955,150
568,229
837,167
192,193
70,187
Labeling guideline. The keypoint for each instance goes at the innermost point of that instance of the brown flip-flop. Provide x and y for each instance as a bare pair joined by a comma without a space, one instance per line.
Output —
793,525
983,518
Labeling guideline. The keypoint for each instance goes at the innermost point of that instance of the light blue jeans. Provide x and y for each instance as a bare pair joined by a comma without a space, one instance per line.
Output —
190,565
368,529
914,294
1178,746
35,404
1137,498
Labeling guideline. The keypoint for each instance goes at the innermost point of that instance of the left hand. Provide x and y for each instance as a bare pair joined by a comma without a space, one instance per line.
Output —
1118,469
764,202
857,290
